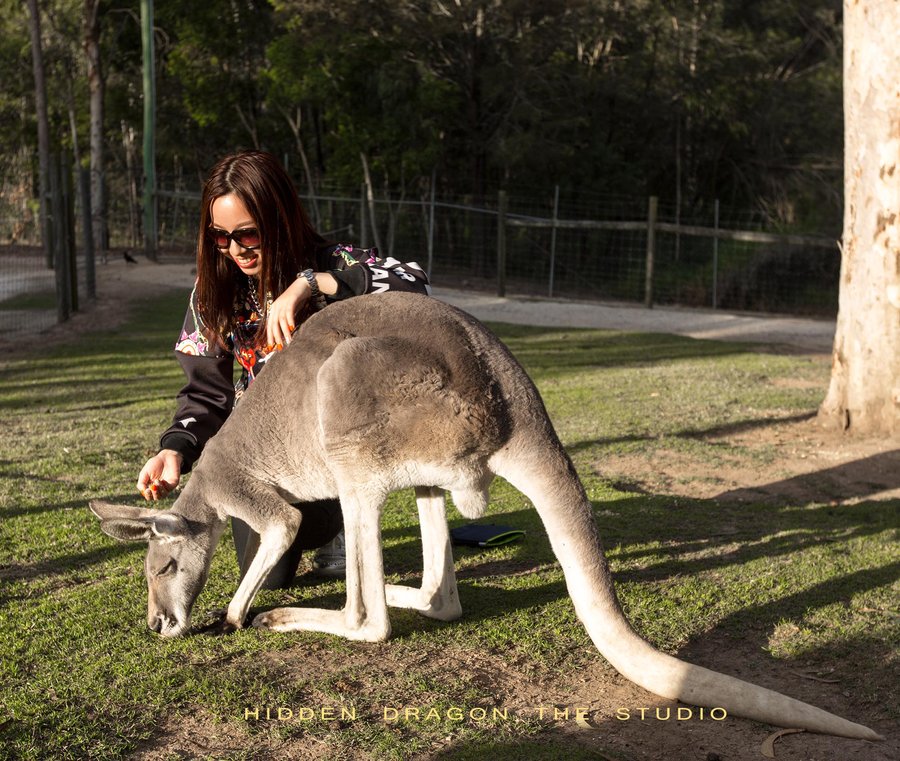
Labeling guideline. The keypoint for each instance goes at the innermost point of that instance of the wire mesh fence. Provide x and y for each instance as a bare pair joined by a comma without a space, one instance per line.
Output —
548,244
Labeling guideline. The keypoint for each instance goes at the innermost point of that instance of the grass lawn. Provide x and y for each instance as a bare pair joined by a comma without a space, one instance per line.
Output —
810,586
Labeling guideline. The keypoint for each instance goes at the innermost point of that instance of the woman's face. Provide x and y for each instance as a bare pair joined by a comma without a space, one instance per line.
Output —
230,216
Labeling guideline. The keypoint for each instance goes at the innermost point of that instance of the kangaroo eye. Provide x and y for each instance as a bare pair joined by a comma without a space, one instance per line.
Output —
167,569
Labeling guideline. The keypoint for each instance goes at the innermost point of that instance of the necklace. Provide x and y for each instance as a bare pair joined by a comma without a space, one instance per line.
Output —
251,290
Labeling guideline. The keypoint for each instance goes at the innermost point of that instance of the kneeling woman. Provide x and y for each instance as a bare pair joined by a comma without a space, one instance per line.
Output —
261,270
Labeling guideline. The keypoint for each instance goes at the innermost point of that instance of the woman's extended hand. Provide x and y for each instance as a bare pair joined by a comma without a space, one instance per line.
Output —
160,475
282,316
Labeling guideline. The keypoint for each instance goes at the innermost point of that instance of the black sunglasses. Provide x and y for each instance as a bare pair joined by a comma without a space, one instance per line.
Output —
247,238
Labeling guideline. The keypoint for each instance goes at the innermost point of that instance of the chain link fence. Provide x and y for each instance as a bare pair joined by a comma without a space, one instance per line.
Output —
548,244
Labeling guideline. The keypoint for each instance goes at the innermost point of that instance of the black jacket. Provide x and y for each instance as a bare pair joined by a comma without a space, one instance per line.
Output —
210,392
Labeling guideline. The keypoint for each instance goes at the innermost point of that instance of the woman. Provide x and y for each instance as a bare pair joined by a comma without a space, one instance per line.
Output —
261,270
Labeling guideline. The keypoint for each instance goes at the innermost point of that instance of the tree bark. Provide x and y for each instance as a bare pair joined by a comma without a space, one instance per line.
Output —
43,128
96,88
864,395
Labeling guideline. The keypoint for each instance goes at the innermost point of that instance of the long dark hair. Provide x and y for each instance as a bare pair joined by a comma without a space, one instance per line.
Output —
288,241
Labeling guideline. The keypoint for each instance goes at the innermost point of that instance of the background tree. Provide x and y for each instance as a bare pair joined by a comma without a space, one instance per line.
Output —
218,56
864,395
96,88
42,122
690,101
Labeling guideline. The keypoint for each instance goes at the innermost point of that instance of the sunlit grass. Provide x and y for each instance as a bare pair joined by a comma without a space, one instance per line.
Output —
83,677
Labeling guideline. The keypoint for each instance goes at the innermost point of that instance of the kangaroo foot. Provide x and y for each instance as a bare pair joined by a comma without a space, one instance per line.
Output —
318,620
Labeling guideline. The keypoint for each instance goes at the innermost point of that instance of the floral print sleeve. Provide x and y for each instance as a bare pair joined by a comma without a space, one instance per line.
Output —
206,399
193,341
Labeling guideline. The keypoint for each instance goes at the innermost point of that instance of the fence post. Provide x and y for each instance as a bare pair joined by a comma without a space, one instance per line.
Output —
84,189
501,243
49,221
60,259
715,272
68,204
652,212
553,239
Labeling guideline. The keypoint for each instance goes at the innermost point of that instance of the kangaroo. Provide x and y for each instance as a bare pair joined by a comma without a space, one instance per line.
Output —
391,391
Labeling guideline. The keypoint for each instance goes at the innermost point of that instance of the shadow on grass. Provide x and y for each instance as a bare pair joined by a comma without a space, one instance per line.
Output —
151,324
740,426
56,566
784,532
49,507
74,399
541,348
852,480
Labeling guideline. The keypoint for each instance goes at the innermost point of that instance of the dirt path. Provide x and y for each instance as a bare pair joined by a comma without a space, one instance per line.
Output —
803,334
119,283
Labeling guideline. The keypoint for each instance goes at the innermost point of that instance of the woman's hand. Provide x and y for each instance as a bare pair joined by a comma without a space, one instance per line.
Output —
283,311
281,320
160,475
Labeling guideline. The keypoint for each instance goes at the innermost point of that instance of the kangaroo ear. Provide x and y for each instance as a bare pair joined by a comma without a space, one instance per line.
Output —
137,524
167,525
127,529
107,511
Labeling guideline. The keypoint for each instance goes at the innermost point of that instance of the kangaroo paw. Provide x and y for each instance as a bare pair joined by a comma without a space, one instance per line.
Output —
443,607
218,628
318,620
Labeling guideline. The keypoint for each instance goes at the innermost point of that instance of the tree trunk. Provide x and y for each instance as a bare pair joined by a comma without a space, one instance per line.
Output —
295,125
370,198
129,146
96,88
43,128
864,395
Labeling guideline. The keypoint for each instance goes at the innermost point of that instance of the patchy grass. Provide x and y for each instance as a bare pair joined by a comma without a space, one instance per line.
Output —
810,585
30,300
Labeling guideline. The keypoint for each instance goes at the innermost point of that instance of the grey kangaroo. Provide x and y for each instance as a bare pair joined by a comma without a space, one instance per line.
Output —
384,392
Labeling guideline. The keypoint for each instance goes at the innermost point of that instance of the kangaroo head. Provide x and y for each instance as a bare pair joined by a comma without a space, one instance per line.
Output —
177,561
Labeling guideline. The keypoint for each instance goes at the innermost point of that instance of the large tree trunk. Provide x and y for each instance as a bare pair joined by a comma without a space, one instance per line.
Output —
864,396
96,88
43,128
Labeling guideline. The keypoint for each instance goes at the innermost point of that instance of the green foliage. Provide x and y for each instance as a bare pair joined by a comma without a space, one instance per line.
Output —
737,101
218,61
15,63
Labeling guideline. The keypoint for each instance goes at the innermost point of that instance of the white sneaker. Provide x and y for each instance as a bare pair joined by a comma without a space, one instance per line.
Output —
331,558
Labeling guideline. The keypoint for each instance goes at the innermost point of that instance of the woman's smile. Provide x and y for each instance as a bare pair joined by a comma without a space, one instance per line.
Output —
246,262
230,214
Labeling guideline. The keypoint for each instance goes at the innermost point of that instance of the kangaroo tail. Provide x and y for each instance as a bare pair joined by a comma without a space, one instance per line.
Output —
546,475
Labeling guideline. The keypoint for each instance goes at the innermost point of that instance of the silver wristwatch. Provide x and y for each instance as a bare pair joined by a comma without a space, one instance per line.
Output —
318,300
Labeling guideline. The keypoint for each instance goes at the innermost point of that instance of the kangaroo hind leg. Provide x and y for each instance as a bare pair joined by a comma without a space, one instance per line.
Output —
438,597
364,616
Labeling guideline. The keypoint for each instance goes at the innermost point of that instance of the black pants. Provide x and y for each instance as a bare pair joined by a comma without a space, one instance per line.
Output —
322,521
